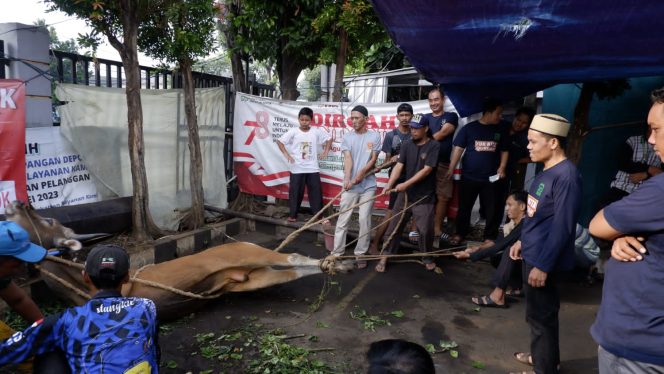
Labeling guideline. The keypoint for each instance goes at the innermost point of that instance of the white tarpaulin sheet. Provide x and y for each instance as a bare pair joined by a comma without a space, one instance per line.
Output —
94,120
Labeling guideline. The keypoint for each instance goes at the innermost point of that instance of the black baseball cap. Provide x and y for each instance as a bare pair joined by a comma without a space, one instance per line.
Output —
107,262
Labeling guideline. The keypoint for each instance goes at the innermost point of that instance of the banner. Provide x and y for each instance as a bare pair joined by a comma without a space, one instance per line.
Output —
261,168
12,141
55,173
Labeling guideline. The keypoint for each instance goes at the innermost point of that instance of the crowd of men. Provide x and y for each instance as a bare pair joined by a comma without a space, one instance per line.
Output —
544,239
541,240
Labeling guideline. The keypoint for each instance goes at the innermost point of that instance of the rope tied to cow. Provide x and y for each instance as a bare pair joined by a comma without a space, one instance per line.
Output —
212,294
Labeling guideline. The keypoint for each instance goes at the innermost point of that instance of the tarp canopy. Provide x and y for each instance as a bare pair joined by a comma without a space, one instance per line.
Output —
508,49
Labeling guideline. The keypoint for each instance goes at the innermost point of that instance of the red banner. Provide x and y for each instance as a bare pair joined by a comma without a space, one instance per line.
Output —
12,142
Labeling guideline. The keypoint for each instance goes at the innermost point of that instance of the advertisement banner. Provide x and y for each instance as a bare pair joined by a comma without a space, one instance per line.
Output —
55,173
261,168
12,141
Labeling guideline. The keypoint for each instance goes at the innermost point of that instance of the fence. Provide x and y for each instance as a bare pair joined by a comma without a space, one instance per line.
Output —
86,70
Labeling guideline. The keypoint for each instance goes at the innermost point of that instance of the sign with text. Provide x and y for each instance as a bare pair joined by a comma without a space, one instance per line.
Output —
12,138
55,173
258,122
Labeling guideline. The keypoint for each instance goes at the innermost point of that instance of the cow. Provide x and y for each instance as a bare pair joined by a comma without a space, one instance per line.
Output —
46,232
233,267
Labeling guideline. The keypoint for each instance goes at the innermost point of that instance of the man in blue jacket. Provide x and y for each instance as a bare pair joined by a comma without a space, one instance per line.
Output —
547,238
108,334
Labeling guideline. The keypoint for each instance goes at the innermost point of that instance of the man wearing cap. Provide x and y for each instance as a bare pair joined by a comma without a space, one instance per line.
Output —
360,149
418,160
108,334
442,125
547,238
391,147
15,249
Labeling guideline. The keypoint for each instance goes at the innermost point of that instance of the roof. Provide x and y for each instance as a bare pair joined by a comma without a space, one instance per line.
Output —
509,49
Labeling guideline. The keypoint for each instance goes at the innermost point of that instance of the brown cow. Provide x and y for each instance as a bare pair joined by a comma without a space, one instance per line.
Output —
47,232
234,267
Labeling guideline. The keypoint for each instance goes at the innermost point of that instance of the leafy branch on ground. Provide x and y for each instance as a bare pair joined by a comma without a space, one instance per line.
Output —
255,350
445,346
370,322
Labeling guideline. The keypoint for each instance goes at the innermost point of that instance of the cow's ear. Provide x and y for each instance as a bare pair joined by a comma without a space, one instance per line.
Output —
73,244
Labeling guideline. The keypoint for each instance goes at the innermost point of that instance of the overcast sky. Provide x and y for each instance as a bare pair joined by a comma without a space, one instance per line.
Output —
29,11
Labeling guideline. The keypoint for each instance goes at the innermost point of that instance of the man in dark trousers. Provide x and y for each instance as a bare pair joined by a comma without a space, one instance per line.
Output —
547,238
418,159
484,146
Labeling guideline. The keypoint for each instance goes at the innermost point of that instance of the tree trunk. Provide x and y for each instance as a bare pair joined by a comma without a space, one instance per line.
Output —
143,225
580,125
341,64
197,214
288,69
239,79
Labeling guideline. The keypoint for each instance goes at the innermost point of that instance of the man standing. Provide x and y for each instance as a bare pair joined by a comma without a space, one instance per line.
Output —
360,149
630,323
418,160
304,143
486,150
391,147
442,125
547,238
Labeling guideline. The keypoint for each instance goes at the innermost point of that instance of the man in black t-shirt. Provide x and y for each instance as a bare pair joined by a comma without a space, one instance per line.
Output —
484,147
418,160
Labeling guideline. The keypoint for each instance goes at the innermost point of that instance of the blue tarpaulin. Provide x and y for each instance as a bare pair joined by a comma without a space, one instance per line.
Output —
509,48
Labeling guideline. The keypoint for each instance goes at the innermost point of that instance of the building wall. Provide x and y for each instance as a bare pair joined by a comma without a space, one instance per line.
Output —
598,163
30,45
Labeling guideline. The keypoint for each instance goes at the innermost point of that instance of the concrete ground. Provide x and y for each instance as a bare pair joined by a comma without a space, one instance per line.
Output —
435,307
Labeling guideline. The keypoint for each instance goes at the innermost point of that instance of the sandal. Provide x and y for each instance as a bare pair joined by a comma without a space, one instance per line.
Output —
487,302
455,240
361,264
445,236
524,358
430,266
380,267
413,237
523,372
291,219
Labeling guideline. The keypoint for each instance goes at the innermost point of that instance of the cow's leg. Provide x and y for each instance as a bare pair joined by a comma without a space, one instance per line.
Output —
266,277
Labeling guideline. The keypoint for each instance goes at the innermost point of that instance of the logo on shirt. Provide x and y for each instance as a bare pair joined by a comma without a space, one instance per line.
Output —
305,150
423,155
370,146
115,308
540,189
532,205
496,137
485,146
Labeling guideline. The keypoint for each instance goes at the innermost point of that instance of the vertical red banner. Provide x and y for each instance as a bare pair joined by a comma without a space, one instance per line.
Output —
12,142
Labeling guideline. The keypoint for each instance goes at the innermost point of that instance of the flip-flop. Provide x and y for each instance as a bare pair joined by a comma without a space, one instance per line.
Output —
524,358
430,266
455,240
361,264
291,219
487,302
523,372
